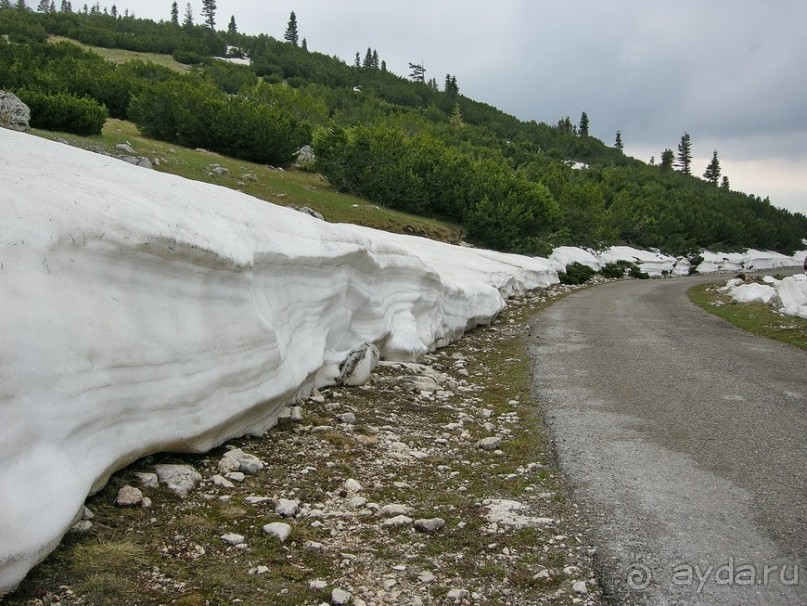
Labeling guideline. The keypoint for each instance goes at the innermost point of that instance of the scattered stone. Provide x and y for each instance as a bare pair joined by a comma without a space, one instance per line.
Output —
233,539
14,114
509,513
340,597
221,482
147,479
396,509
81,527
237,460
141,161
259,570
129,496
179,479
489,443
281,530
236,476
256,500
296,414
400,520
356,502
360,361
216,170
287,508
429,525
426,576
249,177
352,485
348,418
125,148
457,594
580,587
86,514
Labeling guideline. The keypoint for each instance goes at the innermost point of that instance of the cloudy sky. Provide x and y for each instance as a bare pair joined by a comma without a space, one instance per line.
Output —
728,72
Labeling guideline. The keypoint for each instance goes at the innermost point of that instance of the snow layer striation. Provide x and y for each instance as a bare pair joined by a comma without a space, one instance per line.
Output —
143,313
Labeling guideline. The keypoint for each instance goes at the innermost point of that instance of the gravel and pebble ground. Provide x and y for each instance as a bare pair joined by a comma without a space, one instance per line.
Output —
434,483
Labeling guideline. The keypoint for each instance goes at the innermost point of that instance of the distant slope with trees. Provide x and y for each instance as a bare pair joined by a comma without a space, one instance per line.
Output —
400,142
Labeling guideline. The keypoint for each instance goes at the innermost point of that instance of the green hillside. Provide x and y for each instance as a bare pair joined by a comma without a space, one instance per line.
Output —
399,143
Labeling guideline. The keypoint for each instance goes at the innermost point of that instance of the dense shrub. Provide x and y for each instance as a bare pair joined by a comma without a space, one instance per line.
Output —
64,112
576,273
617,269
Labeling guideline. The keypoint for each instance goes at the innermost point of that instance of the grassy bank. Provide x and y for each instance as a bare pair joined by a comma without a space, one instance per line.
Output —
756,318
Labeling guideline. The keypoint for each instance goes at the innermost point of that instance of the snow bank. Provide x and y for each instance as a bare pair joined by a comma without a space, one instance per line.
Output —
144,313
789,295
568,255
750,260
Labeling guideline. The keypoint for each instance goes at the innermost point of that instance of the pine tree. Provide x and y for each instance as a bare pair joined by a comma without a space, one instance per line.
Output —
292,34
456,117
21,5
374,62
232,28
618,144
304,45
188,22
583,130
368,59
667,158
209,13
357,61
725,183
66,8
114,11
712,174
43,7
418,73
5,4
174,14
52,6
384,67
684,158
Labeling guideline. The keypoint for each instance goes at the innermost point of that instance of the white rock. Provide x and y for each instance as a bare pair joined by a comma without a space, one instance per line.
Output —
457,594
81,527
352,485
340,597
129,496
426,576
179,479
221,482
579,587
399,520
280,530
235,476
348,417
317,584
429,525
287,508
238,460
296,414
396,509
147,479
489,443
232,538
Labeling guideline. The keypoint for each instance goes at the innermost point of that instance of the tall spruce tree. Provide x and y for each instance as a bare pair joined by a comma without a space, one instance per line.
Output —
174,14
209,13
667,158
684,158
618,143
725,183
21,5
43,6
232,28
292,34
5,4
418,73
712,173
188,21
583,130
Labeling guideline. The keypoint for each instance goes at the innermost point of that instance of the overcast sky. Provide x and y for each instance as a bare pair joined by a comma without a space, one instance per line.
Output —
730,73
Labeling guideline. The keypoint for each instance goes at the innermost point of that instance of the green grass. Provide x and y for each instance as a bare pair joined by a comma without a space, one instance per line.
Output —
289,187
119,55
756,318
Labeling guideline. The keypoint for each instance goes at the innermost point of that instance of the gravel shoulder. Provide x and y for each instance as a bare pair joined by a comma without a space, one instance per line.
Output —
433,484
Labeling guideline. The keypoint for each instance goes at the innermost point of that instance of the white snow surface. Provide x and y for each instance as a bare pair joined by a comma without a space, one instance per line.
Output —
788,295
750,260
567,255
142,312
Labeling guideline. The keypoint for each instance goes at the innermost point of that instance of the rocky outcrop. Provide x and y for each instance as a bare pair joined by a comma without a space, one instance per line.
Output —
14,114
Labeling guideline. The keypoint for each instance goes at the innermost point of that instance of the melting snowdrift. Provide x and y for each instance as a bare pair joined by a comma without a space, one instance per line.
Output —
788,295
142,312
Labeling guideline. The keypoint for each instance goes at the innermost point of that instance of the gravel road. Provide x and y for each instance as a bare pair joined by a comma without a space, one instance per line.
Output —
685,439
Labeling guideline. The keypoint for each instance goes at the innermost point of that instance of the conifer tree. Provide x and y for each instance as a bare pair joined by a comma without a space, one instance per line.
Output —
418,73
357,61
712,173
174,14
53,6
21,5
43,7
66,8
618,144
304,45
456,117
232,28
684,158
667,158
292,34
368,59
188,21
375,59
583,130
725,183
384,67
5,4
209,13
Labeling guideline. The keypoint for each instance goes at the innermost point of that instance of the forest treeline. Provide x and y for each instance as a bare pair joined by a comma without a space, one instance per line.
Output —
401,142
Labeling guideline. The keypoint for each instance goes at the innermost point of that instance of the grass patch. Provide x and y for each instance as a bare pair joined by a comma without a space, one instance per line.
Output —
756,318
119,55
285,187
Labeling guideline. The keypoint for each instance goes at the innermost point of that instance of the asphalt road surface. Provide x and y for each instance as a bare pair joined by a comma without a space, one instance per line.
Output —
685,439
